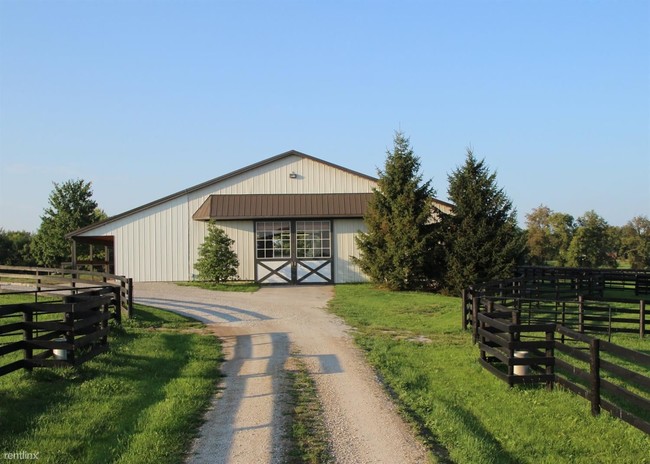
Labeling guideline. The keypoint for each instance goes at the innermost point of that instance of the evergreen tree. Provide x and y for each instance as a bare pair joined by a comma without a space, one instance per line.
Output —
217,261
71,207
397,249
483,241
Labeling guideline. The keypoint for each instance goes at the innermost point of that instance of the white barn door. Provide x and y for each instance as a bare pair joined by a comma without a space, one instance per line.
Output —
293,252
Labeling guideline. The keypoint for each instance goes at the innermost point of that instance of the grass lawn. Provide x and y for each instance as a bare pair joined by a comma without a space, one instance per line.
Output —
140,402
466,414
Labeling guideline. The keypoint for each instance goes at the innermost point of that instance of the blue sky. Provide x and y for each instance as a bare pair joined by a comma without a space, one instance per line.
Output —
146,98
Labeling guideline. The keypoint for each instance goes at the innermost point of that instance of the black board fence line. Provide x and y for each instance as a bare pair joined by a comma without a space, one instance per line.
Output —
42,280
573,360
55,334
551,296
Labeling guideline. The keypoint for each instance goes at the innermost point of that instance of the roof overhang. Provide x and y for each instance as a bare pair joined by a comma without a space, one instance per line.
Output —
101,240
287,206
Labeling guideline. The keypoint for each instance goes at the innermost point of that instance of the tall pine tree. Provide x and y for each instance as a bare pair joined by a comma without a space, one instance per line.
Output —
483,241
396,250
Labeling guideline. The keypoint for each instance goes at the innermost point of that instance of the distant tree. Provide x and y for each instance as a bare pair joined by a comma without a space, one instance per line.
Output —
71,207
15,248
548,236
635,242
562,229
538,235
217,261
397,251
483,241
591,244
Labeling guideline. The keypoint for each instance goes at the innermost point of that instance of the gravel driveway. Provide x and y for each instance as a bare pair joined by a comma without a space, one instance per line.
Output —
259,331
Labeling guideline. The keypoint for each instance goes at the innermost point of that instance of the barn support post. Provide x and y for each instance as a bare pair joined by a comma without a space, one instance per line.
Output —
73,250
107,261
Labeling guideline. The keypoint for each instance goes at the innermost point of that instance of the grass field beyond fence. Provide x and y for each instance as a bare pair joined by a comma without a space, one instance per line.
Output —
139,403
465,413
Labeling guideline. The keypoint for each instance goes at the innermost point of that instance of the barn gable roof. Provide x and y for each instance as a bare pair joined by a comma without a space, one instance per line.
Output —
212,182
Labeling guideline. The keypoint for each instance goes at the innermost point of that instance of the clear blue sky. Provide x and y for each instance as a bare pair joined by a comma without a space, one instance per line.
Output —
146,98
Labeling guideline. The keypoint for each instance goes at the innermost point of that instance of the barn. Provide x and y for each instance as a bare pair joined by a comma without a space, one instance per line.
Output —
293,218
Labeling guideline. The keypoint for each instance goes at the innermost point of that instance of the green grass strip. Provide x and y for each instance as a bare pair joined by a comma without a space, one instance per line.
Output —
308,436
235,286
414,341
141,402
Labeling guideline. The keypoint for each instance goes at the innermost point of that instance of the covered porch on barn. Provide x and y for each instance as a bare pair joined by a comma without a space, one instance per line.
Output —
94,253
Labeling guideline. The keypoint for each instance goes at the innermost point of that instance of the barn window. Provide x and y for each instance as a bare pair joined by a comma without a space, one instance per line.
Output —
313,239
273,239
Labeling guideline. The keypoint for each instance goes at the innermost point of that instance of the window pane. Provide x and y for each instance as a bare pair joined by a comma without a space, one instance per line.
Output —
273,239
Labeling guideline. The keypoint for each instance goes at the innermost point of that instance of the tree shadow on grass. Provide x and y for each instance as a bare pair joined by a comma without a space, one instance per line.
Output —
107,398
471,425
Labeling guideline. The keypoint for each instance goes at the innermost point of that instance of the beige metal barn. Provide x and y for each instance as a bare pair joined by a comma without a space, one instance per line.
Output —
293,218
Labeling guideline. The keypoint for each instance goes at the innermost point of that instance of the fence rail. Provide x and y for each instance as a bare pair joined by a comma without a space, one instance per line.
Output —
587,300
63,333
39,280
595,369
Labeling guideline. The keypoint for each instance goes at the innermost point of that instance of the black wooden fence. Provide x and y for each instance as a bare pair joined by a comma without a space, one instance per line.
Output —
586,300
518,352
63,333
40,280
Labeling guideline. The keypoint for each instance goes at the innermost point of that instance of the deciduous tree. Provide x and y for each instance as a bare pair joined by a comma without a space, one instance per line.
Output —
15,248
591,244
71,207
635,242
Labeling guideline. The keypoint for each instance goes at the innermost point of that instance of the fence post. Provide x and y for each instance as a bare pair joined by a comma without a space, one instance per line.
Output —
475,307
594,370
130,298
69,335
28,336
514,337
563,318
581,314
464,305
641,318
550,353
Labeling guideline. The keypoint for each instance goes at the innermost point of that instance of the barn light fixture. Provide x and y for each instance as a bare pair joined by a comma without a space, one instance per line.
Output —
293,175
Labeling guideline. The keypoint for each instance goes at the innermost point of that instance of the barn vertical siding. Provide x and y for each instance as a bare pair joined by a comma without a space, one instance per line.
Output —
345,247
160,243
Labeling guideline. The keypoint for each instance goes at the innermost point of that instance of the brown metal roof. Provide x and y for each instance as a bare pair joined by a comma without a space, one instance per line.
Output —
330,205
